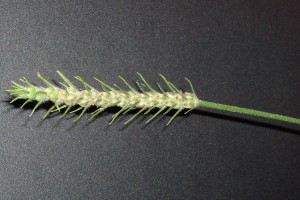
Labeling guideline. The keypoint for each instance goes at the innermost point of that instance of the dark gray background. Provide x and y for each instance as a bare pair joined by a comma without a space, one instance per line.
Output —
243,53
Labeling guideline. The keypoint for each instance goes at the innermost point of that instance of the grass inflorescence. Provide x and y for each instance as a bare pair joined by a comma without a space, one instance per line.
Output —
68,96
145,99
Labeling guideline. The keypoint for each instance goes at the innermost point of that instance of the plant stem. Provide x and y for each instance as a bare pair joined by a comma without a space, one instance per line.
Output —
247,111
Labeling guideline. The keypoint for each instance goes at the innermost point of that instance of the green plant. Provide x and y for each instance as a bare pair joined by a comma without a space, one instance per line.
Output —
146,100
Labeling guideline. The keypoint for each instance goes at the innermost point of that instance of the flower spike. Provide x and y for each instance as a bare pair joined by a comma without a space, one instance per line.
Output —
144,100
69,96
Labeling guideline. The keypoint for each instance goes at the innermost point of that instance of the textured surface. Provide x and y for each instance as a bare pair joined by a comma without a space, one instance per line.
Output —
242,53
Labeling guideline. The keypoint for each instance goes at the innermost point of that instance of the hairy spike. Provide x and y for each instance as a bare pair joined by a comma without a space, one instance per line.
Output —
127,99
146,101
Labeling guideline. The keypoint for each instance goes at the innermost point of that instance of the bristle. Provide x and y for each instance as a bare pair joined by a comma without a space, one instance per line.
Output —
146,83
159,111
67,81
48,112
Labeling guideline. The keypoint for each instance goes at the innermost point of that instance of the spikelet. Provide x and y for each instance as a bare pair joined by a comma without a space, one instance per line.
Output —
146,100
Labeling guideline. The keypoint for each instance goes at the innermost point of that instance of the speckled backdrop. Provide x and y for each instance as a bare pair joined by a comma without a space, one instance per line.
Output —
243,53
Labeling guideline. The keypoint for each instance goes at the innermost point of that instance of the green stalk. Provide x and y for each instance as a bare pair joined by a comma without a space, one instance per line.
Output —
247,111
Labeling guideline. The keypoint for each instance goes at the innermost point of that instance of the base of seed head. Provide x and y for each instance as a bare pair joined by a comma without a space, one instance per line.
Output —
144,101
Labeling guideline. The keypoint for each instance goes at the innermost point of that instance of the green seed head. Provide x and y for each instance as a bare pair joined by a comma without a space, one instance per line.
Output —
144,100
